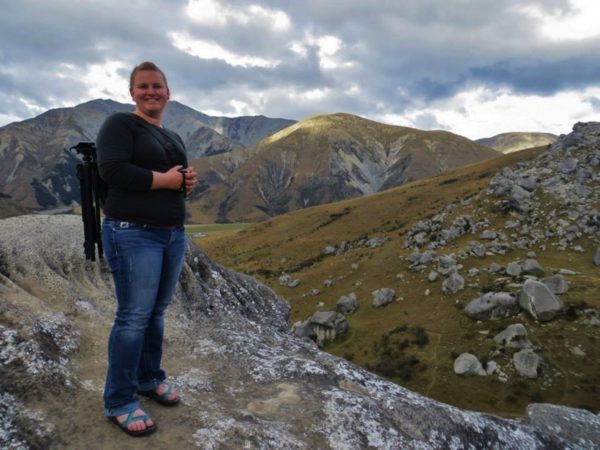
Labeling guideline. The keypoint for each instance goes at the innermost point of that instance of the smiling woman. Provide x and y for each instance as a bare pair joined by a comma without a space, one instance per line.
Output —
145,168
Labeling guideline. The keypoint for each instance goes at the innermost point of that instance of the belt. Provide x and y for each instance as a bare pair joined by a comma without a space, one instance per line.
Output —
132,224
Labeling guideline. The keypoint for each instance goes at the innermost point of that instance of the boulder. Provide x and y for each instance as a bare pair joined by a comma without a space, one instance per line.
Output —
532,267
557,284
568,165
519,199
303,329
527,363
375,242
537,299
514,269
489,235
495,268
596,258
492,306
383,296
573,425
514,336
287,280
527,182
433,275
347,304
327,325
468,364
454,283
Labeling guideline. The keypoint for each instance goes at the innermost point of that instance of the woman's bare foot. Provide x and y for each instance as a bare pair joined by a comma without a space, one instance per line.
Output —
164,387
138,425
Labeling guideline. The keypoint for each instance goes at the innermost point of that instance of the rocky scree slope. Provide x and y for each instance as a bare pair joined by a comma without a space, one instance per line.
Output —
245,380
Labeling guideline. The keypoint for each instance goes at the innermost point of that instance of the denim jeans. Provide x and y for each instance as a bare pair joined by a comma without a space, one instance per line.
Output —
145,263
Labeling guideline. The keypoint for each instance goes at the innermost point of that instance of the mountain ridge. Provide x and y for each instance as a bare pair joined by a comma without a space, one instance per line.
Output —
322,159
38,174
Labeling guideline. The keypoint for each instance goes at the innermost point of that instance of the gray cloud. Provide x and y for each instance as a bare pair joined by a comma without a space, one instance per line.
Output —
393,55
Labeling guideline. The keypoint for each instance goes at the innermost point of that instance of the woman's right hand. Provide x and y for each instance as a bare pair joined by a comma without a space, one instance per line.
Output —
171,179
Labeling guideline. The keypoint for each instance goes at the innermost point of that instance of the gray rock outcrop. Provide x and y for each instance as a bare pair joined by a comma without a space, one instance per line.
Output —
596,258
568,423
537,299
492,306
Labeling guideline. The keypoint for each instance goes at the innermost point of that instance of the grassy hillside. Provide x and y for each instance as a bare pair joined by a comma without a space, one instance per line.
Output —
320,160
418,336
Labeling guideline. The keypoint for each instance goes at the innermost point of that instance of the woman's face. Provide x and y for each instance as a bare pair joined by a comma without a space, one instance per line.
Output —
149,92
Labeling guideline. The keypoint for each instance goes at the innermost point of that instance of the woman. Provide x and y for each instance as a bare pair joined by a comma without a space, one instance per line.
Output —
144,241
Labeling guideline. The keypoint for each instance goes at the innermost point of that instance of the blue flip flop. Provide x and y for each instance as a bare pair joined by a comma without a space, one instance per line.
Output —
163,398
131,419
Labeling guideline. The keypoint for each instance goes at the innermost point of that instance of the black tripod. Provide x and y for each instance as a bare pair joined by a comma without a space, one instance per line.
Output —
91,195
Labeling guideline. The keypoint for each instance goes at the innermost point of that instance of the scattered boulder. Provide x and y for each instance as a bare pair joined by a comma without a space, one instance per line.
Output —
383,296
596,258
347,304
527,363
304,329
520,199
375,242
328,325
557,284
495,268
514,336
537,299
329,250
532,267
454,283
433,276
468,364
492,306
514,269
287,280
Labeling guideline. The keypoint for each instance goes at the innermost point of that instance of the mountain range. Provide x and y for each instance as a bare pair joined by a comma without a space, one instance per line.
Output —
37,173
251,168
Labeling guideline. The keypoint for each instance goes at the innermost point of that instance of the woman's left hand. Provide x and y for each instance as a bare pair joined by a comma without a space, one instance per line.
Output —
190,179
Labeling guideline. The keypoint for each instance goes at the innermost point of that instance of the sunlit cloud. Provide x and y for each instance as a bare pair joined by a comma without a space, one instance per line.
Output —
211,50
579,23
482,112
214,14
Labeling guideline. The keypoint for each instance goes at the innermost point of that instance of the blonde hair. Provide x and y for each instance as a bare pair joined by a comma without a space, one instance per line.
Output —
146,65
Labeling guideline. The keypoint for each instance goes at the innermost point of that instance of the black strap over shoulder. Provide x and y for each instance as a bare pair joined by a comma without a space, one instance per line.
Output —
175,151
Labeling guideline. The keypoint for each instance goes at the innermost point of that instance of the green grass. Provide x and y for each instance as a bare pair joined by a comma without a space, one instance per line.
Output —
215,228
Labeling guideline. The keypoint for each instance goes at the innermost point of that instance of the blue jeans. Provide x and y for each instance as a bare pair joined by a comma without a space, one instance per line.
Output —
145,263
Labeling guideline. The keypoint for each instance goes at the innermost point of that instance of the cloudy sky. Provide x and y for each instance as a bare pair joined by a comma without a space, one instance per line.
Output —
473,67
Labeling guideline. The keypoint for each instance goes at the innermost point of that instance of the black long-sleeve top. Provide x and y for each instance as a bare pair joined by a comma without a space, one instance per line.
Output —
127,154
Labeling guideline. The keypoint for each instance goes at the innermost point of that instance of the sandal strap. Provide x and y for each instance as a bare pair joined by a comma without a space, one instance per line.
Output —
168,391
131,419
